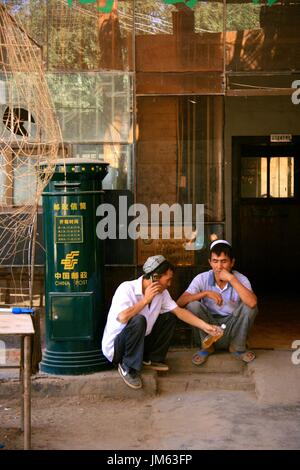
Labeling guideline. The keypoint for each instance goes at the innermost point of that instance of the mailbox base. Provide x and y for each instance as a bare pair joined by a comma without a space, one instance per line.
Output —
62,363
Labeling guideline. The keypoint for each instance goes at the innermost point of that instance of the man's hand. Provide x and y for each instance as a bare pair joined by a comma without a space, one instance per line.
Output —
247,295
214,296
212,330
151,291
191,319
225,275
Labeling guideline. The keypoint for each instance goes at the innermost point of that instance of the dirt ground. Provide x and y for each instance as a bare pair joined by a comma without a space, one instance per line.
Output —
191,420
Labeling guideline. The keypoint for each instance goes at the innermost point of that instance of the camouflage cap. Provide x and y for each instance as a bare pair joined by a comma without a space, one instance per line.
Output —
152,263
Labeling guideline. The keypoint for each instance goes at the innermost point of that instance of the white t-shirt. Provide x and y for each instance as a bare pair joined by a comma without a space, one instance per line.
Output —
231,299
127,295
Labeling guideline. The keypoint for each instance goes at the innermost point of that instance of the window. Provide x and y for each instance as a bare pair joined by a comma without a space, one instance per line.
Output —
19,173
24,181
267,177
95,112
119,157
282,177
254,177
93,107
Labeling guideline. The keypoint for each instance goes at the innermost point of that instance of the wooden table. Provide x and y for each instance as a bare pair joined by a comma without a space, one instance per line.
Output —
21,325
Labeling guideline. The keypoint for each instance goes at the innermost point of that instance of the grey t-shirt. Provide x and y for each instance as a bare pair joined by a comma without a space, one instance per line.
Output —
231,299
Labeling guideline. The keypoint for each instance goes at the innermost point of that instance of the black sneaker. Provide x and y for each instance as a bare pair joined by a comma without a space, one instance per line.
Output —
160,366
132,379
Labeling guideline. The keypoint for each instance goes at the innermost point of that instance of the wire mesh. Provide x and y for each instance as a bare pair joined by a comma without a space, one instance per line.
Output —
29,135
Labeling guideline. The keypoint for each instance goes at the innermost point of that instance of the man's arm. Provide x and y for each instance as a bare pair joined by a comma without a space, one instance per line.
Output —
247,296
186,297
130,312
151,291
192,320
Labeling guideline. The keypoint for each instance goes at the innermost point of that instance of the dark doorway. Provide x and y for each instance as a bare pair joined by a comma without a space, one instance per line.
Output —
266,234
266,211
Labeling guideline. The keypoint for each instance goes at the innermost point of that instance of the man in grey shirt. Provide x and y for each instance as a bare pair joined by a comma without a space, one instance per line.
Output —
222,296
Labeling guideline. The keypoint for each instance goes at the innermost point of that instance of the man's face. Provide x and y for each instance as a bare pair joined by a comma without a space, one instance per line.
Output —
165,280
218,263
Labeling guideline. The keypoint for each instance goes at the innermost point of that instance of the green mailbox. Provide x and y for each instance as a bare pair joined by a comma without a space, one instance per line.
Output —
74,277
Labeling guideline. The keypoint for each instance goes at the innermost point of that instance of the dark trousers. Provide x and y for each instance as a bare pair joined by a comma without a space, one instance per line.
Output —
132,346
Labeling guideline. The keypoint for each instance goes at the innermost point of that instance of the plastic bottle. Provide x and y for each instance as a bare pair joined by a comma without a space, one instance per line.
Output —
210,339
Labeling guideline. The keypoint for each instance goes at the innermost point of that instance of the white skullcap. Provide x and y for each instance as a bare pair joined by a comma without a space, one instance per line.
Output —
219,241
152,263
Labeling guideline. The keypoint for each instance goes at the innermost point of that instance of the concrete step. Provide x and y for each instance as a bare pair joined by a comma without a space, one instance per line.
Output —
178,359
109,384
223,362
93,387
220,372
180,383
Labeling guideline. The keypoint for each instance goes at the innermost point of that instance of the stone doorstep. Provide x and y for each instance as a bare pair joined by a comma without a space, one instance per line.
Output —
97,386
109,384
179,360
210,381
273,376
219,362
221,371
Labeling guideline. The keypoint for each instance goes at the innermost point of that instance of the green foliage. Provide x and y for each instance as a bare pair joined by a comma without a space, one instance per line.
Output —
76,90
243,16
71,40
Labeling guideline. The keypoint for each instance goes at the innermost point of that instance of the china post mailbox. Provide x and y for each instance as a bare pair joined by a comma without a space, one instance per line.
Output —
75,318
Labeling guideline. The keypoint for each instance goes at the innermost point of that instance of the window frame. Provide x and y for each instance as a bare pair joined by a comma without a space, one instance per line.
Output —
9,205
271,151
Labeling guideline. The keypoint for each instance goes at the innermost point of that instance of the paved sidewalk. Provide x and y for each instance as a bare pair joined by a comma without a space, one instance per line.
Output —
276,378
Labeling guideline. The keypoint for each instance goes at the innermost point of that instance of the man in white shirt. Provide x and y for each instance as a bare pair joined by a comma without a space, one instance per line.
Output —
222,296
141,322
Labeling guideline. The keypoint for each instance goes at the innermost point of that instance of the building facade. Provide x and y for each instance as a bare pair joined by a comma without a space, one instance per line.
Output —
190,102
